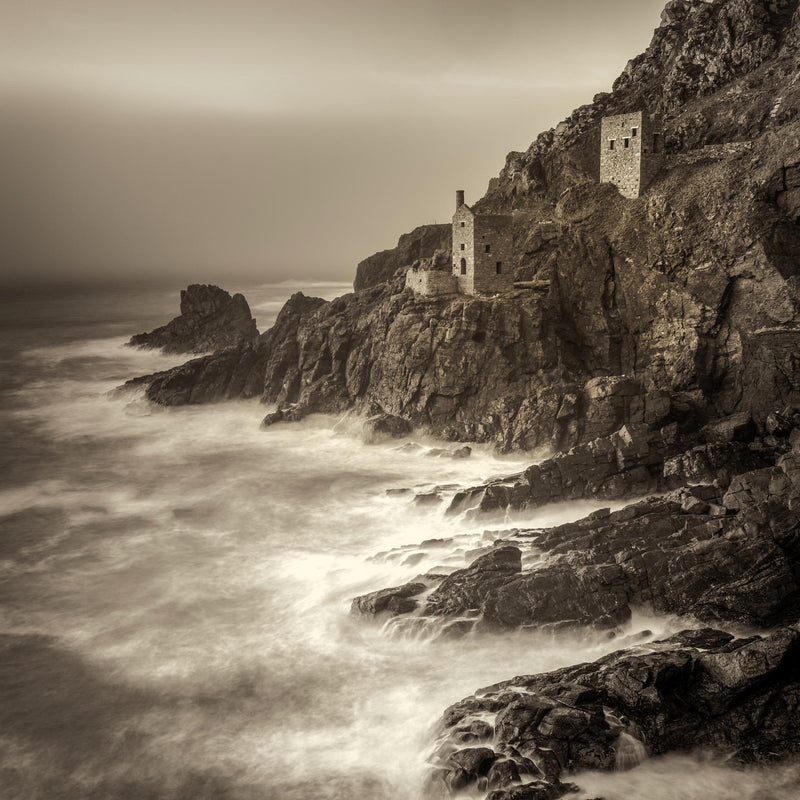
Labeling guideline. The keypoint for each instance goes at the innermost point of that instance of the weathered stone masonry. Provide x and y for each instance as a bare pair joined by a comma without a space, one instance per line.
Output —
431,282
631,151
483,250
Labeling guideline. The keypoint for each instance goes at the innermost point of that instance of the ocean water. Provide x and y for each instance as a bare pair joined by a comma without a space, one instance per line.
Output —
175,586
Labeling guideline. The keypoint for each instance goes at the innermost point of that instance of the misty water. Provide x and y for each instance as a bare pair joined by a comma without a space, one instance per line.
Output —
175,587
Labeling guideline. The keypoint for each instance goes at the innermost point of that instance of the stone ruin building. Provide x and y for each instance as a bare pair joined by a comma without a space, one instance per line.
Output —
631,151
631,154
482,257
483,250
431,277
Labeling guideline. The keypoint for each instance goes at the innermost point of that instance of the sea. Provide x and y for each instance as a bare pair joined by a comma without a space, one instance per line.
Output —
175,585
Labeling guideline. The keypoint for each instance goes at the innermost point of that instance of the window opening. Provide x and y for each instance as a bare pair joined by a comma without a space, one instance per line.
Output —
498,267
462,224
656,140
463,266
610,144
634,132
626,142
463,246
488,248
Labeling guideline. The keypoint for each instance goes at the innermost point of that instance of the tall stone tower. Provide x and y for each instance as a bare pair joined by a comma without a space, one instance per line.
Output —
631,151
483,249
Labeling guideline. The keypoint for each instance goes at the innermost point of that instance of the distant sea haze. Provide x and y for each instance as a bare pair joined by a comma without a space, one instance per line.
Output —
176,585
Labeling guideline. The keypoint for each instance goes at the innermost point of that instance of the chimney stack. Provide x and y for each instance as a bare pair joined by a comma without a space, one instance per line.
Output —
459,198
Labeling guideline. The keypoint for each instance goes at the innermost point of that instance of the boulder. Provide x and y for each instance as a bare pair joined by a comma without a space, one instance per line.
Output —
395,601
696,689
736,428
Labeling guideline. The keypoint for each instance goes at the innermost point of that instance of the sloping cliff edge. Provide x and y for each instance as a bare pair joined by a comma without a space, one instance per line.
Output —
681,305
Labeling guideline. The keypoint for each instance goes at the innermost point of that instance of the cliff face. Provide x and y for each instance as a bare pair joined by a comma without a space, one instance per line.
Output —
682,305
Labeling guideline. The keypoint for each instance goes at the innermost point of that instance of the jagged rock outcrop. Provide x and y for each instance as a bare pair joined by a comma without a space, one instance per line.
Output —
632,461
210,320
420,243
683,304
521,738
723,550
236,372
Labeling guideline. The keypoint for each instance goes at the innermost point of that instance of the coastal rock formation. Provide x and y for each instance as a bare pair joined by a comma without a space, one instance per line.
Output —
210,320
236,372
632,461
727,551
681,306
703,688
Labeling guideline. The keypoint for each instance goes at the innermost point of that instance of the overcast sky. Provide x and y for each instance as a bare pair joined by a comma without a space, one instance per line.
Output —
209,138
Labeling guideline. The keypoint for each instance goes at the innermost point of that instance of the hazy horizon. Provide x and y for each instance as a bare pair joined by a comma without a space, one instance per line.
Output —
265,142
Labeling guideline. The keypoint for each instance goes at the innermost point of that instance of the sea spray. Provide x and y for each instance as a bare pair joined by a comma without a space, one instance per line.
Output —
177,585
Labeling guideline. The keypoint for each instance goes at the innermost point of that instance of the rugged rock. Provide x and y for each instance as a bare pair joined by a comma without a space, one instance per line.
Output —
697,689
465,591
631,462
233,373
237,372
679,307
421,243
210,320
625,464
395,601
719,555
386,426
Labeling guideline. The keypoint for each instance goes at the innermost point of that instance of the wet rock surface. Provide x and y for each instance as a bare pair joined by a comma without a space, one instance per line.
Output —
210,319
226,375
727,550
699,688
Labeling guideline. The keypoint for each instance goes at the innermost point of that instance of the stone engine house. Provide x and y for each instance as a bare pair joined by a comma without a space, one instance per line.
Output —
483,250
631,151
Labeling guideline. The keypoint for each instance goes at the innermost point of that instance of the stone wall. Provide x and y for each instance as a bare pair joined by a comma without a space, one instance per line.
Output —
631,152
485,244
431,282
463,239
494,254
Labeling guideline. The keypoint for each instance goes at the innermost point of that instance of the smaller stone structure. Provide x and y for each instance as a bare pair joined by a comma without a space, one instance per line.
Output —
483,249
631,151
431,277
430,282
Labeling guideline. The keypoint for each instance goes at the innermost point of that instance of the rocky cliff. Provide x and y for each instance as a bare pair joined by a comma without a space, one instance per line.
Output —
210,319
681,305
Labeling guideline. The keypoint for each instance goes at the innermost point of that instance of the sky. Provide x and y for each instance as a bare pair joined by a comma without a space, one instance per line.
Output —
199,140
